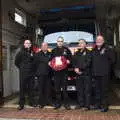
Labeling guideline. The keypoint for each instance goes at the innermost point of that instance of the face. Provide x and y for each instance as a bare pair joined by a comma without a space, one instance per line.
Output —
60,42
27,44
82,44
99,41
44,46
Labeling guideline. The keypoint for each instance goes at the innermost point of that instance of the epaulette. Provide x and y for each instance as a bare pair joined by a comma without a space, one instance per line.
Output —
75,50
49,50
89,48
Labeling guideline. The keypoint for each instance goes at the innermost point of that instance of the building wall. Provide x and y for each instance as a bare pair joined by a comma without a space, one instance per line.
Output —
12,33
117,46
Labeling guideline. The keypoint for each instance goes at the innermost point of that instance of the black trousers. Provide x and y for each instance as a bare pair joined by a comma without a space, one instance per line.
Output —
44,89
60,82
25,81
101,91
83,85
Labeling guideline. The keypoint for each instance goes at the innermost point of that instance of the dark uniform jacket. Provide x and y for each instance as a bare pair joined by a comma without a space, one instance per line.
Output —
82,60
41,63
64,51
102,60
24,61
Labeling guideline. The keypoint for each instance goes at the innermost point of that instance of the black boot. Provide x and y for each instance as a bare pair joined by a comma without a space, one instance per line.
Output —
57,106
20,108
41,106
103,109
67,107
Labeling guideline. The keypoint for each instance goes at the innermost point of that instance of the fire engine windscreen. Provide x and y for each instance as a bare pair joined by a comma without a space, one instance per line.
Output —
69,36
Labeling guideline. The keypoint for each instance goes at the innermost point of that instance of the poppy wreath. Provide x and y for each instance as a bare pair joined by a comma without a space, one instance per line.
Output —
61,65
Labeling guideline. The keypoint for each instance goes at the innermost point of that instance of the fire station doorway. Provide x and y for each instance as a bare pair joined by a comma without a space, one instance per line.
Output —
93,16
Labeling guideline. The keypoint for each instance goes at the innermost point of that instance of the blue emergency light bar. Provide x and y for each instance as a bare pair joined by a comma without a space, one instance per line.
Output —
73,8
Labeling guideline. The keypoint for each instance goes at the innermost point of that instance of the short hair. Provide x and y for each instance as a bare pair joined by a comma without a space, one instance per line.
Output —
60,38
44,43
82,40
100,36
27,40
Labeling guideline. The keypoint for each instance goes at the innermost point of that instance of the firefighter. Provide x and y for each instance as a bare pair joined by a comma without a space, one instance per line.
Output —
24,61
60,76
103,58
82,64
43,71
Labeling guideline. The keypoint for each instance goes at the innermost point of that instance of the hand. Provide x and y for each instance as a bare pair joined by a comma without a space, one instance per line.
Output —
77,71
68,62
49,63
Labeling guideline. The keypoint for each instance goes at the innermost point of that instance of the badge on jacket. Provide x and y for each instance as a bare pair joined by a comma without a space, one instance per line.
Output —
64,53
31,54
102,51
84,53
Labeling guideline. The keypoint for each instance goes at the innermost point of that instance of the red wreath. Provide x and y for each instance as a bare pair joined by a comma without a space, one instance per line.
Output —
58,67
